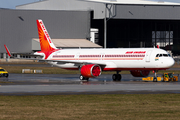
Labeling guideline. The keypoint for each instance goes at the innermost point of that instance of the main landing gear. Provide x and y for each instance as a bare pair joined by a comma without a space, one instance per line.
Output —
83,78
116,77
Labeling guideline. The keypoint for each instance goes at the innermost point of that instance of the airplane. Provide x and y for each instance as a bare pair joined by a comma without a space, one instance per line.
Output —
91,62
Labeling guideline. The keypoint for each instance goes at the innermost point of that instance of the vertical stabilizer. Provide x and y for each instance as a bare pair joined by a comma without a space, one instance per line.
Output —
44,38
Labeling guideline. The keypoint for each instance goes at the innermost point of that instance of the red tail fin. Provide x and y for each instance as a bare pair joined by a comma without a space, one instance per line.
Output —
44,38
47,46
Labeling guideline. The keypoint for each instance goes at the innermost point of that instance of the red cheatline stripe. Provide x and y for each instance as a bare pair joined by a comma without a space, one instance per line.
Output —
97,59
127,69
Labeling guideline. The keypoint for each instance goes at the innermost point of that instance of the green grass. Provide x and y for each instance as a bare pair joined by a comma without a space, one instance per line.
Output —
56,70
91,107
46,70
88,107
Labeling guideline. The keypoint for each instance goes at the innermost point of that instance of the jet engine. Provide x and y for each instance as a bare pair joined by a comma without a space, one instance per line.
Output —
90,70
140,73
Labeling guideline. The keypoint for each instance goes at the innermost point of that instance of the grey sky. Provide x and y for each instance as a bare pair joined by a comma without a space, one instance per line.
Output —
13,3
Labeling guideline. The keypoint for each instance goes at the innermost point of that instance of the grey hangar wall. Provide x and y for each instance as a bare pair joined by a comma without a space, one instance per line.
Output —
18,27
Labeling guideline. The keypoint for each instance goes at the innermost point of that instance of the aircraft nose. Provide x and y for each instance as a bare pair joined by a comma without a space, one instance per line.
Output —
171,62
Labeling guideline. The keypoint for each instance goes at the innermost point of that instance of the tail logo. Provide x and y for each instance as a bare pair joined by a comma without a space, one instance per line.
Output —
45,32
47,46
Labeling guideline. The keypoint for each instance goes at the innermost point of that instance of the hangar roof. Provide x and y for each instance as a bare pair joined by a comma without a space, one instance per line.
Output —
133,2
72,43
142,9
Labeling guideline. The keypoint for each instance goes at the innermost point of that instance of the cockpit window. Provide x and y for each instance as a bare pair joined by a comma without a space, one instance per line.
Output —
169,55
163,55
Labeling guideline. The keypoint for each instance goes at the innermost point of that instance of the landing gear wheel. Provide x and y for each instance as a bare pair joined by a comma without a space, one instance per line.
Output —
83,78
119,77
116,77
6,75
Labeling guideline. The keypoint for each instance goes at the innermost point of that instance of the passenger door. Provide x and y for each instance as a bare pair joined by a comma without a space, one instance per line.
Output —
148,55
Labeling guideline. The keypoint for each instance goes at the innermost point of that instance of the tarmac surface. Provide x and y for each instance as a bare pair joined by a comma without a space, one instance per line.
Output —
55,84
48,65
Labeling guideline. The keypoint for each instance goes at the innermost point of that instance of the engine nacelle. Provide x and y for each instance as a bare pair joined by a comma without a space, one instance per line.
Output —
140,73
90,70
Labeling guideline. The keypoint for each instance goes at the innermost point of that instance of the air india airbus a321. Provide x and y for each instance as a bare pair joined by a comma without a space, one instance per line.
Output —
91,62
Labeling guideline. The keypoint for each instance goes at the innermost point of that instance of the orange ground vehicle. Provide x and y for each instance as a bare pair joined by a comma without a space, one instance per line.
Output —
167,77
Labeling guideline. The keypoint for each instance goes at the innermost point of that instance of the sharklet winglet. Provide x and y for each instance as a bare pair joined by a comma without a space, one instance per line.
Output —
9,54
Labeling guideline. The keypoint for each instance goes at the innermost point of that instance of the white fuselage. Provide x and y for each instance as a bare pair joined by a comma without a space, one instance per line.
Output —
115,59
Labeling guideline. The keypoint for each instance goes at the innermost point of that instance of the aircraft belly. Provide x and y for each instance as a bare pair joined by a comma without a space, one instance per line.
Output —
131,64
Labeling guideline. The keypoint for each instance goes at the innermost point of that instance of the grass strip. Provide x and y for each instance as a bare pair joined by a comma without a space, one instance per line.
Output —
56,70
90,107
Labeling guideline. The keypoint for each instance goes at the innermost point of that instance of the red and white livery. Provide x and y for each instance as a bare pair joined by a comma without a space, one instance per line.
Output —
91,62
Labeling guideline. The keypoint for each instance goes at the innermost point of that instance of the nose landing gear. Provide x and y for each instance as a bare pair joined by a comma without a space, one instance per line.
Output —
155,76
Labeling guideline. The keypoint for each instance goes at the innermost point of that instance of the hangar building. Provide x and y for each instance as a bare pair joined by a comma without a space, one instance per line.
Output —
19,29
133,23
129,24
